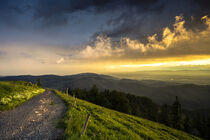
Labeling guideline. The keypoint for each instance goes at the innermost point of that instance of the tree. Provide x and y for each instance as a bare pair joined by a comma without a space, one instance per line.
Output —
177,114
187,124
69,91
208,128
120,102
165,115
39,82
94,94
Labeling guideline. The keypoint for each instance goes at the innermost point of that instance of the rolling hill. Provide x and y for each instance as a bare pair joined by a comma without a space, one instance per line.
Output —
191,96
109,124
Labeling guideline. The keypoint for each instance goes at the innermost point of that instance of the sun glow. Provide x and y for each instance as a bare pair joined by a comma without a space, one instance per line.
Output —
181,63
166,64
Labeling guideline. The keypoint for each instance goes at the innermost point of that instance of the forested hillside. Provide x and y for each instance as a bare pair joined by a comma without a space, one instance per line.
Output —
171,115
109,124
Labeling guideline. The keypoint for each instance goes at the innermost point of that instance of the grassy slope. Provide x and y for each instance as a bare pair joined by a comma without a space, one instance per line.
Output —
13,94
109,124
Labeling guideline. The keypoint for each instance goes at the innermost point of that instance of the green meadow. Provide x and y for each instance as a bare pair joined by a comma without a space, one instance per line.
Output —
107,124
13,93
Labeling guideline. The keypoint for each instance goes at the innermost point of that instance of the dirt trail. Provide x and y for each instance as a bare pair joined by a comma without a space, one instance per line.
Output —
34,119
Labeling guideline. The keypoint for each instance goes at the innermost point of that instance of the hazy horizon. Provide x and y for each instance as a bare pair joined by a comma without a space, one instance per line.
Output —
199,77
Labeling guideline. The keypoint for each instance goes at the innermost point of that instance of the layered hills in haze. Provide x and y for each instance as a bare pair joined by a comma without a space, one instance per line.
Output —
191,96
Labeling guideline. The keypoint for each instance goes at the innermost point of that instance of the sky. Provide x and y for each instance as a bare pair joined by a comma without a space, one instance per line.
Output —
74,36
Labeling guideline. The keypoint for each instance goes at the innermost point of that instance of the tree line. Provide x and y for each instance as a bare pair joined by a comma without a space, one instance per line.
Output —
170,115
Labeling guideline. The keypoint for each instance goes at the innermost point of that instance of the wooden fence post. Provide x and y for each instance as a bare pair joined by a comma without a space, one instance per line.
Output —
86,123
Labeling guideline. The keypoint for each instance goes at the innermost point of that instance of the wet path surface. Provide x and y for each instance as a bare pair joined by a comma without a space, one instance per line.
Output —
34,119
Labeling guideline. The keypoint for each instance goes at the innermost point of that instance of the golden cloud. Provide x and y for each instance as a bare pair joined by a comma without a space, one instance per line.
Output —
176,41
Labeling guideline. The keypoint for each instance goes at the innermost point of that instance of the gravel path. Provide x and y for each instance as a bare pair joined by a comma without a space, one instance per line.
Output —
34,119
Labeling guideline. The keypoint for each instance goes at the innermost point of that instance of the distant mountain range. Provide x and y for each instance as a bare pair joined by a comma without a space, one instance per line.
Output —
191,96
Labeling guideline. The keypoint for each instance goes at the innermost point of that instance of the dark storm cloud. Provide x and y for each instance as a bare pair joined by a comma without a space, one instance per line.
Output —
132,18
57,11
203,3
137,23
49,8
53,12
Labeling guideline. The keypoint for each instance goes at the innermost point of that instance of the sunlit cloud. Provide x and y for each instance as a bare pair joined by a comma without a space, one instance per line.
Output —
61,60
173,42
175,38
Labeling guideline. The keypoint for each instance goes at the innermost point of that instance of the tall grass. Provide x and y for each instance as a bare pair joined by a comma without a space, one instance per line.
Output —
13,93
